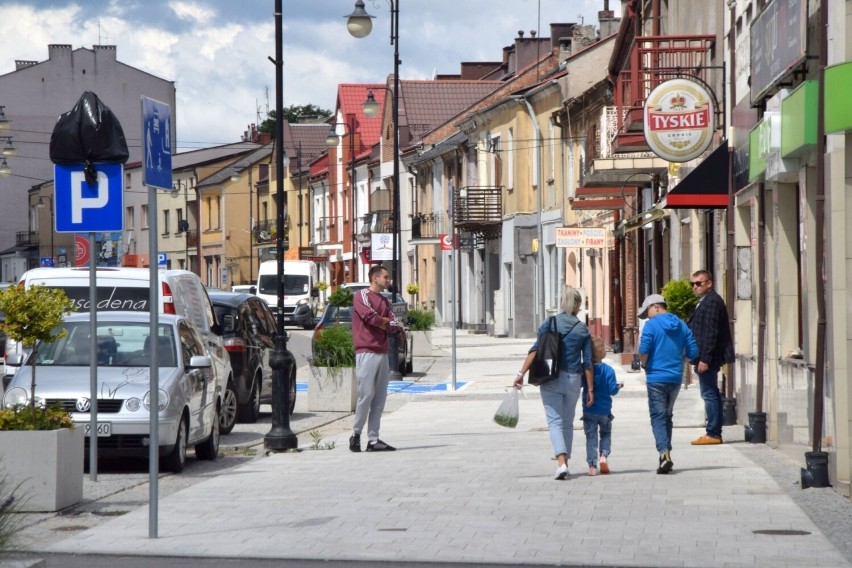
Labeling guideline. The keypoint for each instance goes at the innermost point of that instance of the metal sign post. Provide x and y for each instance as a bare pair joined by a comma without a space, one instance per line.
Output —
156,173
90,208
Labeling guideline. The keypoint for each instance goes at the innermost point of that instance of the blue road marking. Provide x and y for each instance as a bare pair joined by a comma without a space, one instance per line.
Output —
405,387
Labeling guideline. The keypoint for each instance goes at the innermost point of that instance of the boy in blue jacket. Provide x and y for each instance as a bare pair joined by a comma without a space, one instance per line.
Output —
597,418
665,341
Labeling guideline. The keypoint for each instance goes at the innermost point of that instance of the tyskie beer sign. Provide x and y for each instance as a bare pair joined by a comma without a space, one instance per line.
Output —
678,120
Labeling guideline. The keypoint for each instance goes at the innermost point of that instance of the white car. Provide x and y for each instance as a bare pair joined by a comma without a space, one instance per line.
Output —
190,392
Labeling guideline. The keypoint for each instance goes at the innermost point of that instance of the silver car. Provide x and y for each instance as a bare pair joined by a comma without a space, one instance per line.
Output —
190,392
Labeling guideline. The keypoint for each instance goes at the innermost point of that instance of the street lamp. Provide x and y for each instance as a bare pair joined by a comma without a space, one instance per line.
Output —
360,25
9,149
280,437
332,140
41,205
4,122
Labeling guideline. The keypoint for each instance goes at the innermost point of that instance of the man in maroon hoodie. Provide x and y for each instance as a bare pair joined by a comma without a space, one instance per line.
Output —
372,321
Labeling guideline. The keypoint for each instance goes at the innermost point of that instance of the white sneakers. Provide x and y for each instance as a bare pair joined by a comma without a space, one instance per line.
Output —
561,472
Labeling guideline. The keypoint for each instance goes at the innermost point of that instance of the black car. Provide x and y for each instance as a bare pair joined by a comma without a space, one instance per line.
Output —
248,333
332,315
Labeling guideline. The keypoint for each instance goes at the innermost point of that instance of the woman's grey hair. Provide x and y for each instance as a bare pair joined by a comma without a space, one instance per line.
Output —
570,301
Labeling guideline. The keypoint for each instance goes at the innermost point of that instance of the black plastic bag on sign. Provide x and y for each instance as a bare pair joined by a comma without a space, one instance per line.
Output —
88,133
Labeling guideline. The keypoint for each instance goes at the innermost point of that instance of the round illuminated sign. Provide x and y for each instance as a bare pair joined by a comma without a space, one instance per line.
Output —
678,120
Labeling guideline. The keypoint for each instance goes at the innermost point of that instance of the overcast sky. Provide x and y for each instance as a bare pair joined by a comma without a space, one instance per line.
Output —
216,50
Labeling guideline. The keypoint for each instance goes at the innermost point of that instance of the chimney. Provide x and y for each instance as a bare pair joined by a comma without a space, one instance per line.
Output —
521,34
60,53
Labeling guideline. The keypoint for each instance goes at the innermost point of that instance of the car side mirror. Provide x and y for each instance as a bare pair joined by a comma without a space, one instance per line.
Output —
15,359
253,290
229,324
314,292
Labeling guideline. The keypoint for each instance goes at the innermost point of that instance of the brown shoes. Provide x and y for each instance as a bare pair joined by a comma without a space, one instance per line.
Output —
706,441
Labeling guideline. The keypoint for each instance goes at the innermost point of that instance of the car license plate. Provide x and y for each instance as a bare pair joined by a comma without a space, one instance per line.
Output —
104,429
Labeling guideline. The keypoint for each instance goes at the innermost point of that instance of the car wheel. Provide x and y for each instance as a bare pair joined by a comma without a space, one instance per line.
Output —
209,448
293,390
228,415
409,366
250,411
176,460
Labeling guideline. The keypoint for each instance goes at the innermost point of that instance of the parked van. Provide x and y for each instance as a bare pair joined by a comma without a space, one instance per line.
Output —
301,297
126,289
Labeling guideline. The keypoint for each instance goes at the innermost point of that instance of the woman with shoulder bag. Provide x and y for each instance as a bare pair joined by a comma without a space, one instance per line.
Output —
560,394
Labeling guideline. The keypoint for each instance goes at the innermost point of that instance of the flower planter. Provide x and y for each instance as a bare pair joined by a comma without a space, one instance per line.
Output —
422,343
48,465
332,389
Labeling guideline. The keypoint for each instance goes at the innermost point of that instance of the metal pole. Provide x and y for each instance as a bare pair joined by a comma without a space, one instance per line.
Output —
154,366
453,279
354,269
280,437
393,344
93,360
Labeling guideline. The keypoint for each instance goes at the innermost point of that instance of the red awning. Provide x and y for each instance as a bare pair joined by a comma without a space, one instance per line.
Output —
705,187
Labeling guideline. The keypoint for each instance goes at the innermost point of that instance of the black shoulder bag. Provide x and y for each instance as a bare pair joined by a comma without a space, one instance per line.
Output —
545,365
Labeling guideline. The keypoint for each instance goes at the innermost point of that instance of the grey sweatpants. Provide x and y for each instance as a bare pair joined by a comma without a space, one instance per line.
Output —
373,373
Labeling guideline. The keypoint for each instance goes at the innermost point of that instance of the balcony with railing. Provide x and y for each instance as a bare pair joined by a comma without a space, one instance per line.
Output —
379,221
479,209
427,225
191,238
26,238
322,232
653,60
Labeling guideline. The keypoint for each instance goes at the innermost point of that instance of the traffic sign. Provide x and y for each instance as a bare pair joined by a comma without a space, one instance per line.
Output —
84,208
156,144
162,259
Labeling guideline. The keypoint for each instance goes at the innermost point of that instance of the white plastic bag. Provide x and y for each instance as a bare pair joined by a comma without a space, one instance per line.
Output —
507,412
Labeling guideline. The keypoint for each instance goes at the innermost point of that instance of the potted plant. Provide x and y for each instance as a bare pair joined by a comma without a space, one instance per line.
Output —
681,301
413,288
420,324
322,286
42,452
332,386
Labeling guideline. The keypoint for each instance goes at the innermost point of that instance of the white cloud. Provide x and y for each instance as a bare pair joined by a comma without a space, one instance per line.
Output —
193,11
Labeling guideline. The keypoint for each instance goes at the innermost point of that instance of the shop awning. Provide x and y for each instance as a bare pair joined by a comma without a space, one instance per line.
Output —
705,187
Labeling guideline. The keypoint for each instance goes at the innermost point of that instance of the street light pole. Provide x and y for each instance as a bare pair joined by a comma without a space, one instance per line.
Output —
360,25
280,437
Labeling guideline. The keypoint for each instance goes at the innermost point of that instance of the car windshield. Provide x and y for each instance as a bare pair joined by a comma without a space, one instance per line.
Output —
333,315
294,284
120,344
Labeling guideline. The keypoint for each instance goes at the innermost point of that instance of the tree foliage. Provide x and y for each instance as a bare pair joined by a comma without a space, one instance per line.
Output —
680,298
293,114
32,315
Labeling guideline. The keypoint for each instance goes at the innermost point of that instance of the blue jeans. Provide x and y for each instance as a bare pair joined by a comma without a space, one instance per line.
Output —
709,383
661,399
559,397
592,424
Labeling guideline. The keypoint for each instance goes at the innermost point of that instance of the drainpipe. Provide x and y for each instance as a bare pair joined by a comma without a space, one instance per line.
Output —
816,474
540,307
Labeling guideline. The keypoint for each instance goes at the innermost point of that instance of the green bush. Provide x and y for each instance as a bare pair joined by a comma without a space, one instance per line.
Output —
421,320
342,297
333,347
24,418
680,298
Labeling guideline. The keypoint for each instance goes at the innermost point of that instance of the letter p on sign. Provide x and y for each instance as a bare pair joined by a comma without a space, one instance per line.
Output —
85,196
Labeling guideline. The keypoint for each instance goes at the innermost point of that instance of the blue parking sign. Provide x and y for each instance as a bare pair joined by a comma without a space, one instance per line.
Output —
84,208
156,144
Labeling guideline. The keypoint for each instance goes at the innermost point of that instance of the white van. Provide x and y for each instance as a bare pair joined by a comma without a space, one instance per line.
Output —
301,297
126,289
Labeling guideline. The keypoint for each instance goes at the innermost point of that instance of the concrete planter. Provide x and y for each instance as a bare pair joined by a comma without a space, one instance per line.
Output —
48,465
332,389
422,343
